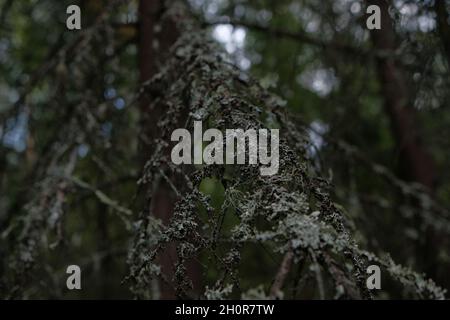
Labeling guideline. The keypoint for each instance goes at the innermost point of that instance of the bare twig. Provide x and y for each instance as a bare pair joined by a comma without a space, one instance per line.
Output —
282,273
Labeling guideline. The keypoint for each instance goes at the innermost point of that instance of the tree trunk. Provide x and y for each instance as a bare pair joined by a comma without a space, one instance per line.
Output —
415,163
156,35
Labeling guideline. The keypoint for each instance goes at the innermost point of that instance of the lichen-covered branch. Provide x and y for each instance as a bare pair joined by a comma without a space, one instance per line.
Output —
290,212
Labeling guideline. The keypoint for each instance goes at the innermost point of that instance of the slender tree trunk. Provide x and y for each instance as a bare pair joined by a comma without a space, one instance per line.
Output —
156,35
162,208
416,164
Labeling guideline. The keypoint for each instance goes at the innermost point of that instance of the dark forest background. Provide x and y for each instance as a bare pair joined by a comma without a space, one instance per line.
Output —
84,178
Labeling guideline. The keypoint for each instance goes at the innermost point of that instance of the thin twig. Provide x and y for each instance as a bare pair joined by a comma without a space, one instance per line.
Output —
282,273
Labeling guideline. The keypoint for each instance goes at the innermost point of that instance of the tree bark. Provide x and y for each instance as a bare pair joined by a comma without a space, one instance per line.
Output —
156,36
415,163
